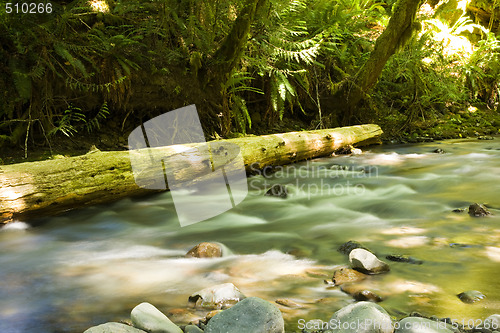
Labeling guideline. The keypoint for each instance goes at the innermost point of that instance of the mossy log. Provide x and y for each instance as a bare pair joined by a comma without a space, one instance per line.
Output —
34,189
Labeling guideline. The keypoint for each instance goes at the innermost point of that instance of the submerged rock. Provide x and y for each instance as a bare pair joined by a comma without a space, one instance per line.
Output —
361,317
209,250
277,190
251,315
366,262
438,151
347,247
359,293
422,325
471,296
288,303
218,296
148,318
477,210
405,259
113,328
346,275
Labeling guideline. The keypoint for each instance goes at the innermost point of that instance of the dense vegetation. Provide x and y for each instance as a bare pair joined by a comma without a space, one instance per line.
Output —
250,66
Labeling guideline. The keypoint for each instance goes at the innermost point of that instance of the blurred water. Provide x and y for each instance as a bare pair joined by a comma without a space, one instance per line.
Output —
94,265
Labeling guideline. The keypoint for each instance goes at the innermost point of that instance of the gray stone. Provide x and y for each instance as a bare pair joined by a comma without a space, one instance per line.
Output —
148,318
492,322
361,317
422,325
366,262
192,329
251,315
218,296
113,328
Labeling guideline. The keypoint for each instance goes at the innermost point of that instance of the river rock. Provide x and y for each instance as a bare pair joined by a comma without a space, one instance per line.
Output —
288,303
113,328
422,325
360,293
471,296
192,329
277,190
209,250
405,259
438,151
361,317
492,322
148,318
477,210
251,315
218,296
347,247
346,275
366,262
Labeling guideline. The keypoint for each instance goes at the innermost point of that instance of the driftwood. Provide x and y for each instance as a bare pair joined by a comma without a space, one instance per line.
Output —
34,189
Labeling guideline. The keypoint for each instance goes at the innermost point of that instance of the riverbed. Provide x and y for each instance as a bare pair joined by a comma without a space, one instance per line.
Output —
93,265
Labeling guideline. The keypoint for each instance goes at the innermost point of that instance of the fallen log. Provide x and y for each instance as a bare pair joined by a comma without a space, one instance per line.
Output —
34,189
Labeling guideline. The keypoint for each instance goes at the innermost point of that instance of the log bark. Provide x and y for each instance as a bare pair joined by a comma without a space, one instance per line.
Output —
34,189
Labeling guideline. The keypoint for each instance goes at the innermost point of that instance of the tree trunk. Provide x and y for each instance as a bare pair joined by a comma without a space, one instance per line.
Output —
229,53
49,187
398,31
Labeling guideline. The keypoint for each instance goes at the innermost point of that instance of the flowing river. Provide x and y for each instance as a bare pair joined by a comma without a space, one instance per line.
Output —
87,267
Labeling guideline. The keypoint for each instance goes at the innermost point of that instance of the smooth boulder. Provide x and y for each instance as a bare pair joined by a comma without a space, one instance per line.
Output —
361,317
366,262
421,325
113,328
251,315
148,318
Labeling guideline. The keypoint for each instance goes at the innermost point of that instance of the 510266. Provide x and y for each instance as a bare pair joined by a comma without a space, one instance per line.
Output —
28,8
